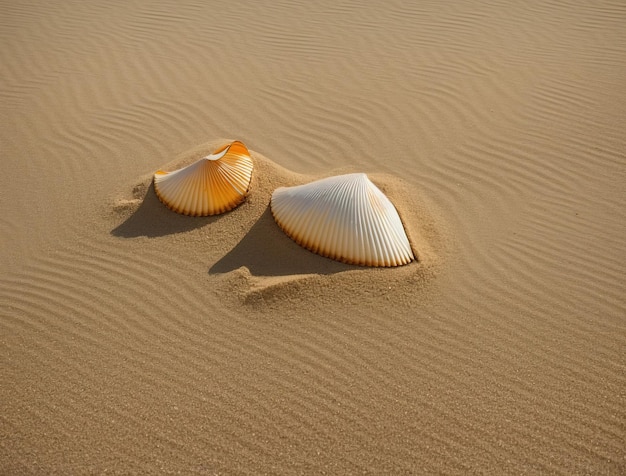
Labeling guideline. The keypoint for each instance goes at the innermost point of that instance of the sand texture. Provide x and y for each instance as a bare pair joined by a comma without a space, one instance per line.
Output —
137,340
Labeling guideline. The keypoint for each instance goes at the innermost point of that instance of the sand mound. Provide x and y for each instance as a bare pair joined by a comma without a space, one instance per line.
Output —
253,261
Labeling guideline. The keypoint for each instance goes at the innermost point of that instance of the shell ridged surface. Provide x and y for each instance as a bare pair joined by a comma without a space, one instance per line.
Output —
346,218
212,185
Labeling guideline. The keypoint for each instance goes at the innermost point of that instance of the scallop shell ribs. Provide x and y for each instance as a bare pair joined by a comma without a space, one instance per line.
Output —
346,218
212,185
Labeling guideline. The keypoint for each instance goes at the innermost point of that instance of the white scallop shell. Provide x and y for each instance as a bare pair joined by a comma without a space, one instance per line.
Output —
346,218
214,184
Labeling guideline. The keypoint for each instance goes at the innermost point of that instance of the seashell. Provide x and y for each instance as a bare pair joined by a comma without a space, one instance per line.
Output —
214,184
346,218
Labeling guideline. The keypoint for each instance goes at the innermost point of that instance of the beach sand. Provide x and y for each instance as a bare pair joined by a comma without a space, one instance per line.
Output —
136,340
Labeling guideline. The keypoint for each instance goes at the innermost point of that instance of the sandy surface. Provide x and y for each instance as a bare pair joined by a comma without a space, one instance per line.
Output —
134,340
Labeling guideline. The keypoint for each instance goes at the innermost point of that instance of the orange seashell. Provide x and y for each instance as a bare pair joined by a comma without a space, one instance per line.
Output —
346,218
214,184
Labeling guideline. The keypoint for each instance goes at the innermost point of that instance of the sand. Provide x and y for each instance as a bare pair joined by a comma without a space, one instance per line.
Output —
135,340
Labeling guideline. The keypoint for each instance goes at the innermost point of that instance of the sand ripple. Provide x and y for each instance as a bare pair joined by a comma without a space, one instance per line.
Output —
137,340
